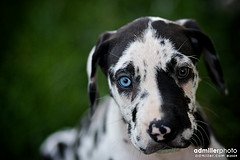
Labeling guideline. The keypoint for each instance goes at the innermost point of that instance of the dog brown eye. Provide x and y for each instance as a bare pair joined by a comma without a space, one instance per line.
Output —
183,72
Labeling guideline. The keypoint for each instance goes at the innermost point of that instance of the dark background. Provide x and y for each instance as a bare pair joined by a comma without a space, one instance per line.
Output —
43,51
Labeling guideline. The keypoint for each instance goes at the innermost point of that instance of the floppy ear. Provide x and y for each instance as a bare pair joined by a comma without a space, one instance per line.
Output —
97,56
203,44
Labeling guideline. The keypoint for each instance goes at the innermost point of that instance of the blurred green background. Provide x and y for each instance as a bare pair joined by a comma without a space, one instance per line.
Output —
43,51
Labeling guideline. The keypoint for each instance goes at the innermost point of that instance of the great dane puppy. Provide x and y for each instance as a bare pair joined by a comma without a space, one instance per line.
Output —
152,113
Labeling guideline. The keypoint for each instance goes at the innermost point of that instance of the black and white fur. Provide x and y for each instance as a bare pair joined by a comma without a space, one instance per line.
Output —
156,117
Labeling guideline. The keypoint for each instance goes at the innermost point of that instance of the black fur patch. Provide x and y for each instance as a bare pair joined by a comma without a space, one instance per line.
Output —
129,128
144,63
171,65
96,138
61,148
170,92
134,112
104,128
138,79
176,34
135,92
47,157
145,74
137,70
138,138
111,76
174,105
125,141
162,42
78,142
188,100
92,92
144,94
129,69
145,70
124,120
76,156
142,149
123,37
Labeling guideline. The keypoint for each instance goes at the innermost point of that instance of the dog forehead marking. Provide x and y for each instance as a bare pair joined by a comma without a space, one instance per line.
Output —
147,50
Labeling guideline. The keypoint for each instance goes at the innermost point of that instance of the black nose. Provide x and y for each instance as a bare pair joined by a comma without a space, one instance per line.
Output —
160,131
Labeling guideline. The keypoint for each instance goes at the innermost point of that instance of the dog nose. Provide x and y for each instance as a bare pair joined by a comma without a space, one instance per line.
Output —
159,131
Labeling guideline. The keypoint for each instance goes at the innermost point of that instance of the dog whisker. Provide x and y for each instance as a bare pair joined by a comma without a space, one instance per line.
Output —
182,45
210,110
114,55
202,122
208,138
209,84
194,141
201,135
193,57
191,141
100,98
114,122
200,142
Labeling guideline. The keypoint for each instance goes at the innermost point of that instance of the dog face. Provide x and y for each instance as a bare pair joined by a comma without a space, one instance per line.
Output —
151,69
154,86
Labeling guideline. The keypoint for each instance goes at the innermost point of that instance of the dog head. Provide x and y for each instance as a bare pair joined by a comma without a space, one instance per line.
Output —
150,64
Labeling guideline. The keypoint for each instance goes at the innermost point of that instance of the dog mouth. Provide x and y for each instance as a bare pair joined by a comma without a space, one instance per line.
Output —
164,147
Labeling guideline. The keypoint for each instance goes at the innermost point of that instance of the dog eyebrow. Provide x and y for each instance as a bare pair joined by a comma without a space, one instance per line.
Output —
128,68
171,65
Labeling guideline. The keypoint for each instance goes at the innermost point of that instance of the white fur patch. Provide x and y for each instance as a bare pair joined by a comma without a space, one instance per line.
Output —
148,49
89,64
160,19
182,21
187,133
50,146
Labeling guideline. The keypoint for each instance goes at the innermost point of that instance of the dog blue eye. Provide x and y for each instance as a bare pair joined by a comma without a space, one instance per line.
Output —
124,82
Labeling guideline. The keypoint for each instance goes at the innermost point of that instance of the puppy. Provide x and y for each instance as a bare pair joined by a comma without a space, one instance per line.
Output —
152,113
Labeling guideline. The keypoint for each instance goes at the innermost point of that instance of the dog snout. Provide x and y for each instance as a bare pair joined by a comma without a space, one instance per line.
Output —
160,131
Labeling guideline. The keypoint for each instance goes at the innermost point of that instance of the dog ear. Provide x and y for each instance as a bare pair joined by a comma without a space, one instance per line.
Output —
188,23
203,44
97,56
